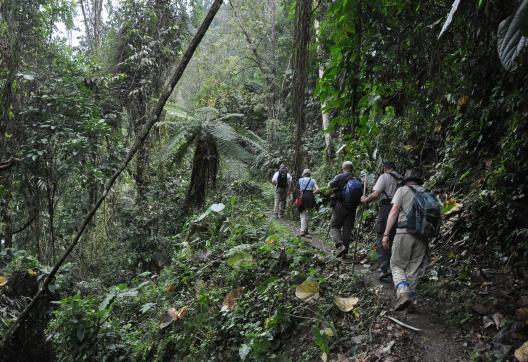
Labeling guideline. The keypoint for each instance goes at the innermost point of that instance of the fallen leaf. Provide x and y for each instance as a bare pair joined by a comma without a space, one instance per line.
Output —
31,272
307,290
499,320
346,304
171,289
3,280
229,299
521,353
324,357
488,322
171,315
462,102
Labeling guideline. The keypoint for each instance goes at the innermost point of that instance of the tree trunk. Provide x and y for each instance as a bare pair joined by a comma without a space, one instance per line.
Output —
325,117
302,38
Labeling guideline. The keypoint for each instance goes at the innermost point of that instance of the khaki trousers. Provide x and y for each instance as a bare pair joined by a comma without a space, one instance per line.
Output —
408,261
279,206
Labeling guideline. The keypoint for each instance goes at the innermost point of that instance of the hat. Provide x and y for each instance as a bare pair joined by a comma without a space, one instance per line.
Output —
389,164
412,175
306,172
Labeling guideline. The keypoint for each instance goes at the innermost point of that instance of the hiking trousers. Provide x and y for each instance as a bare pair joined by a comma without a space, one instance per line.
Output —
341,225
281,193
408,261
384,255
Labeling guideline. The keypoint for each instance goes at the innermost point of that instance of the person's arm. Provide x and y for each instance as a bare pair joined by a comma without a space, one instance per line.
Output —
274,178
373,196
335,182
316,188
391,220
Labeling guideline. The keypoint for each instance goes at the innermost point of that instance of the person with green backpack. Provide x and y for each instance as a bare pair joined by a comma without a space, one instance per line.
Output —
418,216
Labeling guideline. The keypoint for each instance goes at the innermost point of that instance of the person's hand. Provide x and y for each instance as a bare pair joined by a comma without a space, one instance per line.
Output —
364,199
385,242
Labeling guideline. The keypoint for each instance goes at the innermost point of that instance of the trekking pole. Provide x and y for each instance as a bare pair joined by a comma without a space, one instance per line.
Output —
361,209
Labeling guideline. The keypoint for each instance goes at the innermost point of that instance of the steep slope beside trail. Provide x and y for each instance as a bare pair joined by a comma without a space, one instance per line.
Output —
436,341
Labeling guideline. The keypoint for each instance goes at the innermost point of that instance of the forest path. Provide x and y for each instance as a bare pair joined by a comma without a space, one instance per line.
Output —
435,342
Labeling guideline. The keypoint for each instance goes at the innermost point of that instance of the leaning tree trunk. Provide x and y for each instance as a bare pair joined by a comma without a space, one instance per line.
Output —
153,117
302,37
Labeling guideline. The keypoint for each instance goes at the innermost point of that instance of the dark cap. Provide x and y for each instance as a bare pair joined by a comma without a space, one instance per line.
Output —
389,164
412,175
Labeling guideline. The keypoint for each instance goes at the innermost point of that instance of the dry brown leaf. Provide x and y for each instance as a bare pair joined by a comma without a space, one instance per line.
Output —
171,315
229,299
521,353
3,280
346,304
307,290
499,320
171,289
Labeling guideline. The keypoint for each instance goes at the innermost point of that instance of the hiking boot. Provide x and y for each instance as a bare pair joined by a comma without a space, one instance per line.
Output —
403,302
341,251
302,233
384,274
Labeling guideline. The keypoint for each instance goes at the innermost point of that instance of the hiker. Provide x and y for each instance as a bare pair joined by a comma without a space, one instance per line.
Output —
384,190
307,188
347,194
409,248
282,181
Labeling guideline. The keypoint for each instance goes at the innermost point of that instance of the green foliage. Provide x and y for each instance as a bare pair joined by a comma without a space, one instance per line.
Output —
81,331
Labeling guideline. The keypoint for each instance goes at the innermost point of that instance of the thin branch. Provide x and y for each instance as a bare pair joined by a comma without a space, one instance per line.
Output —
154,116
404,325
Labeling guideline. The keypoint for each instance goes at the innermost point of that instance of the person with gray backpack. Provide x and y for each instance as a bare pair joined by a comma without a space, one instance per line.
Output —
282,181
416,213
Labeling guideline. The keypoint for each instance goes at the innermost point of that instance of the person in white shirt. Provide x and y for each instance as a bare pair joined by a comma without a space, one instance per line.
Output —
308,187
282,181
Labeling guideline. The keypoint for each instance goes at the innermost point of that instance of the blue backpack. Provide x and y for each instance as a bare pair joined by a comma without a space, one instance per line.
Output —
351,193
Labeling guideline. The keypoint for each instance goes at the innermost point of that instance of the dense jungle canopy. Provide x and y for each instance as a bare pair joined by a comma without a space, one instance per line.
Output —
138,139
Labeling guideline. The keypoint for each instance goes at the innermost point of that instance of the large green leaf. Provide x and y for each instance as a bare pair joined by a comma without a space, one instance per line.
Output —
240,258
512,36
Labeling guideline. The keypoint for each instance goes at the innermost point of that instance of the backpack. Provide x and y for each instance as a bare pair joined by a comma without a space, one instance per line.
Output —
424,218
282,178
351,192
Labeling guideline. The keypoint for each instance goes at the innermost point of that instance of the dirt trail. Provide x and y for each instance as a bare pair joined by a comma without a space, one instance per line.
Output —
435,342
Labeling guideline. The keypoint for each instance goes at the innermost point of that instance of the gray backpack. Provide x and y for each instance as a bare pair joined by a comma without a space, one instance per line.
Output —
425,216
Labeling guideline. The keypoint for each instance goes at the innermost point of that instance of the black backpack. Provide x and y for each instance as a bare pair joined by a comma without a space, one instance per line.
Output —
425,216
282,178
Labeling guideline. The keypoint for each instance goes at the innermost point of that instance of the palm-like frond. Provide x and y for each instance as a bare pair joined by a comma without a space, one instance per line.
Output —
227,141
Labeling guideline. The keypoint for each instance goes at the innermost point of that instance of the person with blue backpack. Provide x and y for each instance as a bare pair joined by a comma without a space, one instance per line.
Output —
416,213
347,193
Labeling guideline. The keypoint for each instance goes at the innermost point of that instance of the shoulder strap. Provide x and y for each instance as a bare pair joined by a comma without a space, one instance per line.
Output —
394,176
307,184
